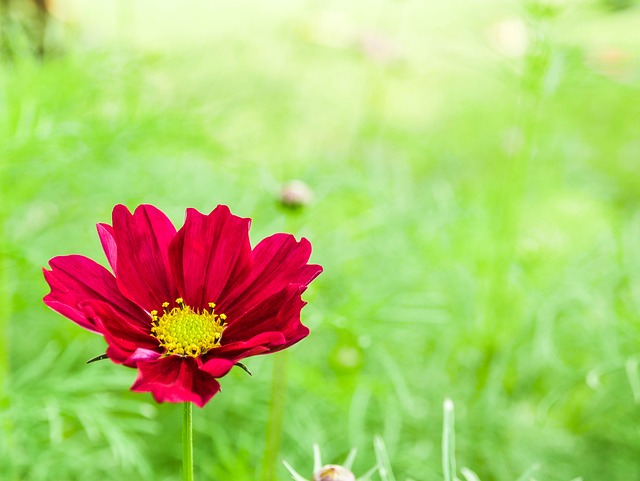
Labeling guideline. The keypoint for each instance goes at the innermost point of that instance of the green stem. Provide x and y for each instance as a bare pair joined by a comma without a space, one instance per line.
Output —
187,442
276,413
5,312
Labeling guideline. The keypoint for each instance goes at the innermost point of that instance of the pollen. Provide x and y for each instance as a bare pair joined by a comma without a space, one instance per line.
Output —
183,331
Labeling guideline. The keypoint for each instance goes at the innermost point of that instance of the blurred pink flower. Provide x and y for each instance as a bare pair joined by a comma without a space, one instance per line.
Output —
613,62
378,48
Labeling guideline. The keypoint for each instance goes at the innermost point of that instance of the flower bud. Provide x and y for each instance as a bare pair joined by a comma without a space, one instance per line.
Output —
333,472
295,194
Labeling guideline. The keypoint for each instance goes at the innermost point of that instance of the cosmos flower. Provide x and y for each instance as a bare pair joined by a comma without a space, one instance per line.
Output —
183,307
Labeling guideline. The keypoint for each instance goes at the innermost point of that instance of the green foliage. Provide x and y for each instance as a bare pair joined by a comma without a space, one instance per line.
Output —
475,211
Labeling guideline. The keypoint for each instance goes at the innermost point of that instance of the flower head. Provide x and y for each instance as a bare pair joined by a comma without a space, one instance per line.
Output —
184,306
331,472
295,194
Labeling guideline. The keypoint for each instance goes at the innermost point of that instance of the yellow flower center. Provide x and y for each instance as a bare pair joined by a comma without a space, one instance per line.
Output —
183,331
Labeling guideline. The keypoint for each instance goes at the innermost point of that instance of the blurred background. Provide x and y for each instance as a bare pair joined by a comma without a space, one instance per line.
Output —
474,200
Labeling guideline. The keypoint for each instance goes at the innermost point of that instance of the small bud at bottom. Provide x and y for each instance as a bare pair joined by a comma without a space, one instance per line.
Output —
333,472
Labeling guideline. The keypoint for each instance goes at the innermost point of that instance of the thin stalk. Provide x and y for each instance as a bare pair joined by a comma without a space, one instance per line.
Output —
276,413
449,442
7,427
187,442
5,312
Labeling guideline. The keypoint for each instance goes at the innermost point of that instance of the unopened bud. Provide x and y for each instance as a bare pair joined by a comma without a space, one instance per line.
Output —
295,194
333,472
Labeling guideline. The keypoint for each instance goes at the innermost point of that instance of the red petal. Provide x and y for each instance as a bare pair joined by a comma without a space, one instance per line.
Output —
263,343
75,279
142,268
278,261
217,367
142,355
108,241
270,326
129,340
279,313
210,252
176,379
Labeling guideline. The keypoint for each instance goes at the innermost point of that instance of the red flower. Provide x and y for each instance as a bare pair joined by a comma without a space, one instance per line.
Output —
183,307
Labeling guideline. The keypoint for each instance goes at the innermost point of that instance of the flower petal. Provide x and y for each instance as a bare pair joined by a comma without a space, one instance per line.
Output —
278,261
263,343
108,241
129,341
280,313
142,268
75,279
210,252
217,367
271,326
176,379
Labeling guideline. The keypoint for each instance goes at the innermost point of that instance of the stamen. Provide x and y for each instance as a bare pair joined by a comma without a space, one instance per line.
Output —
183,331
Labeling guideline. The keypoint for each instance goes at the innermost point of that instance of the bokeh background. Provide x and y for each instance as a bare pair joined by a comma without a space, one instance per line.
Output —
476,188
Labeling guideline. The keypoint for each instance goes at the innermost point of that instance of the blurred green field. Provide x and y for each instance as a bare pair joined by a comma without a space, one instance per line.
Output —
475,168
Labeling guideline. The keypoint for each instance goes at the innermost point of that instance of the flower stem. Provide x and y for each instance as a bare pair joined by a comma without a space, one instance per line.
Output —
5,311
276,413
187,442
